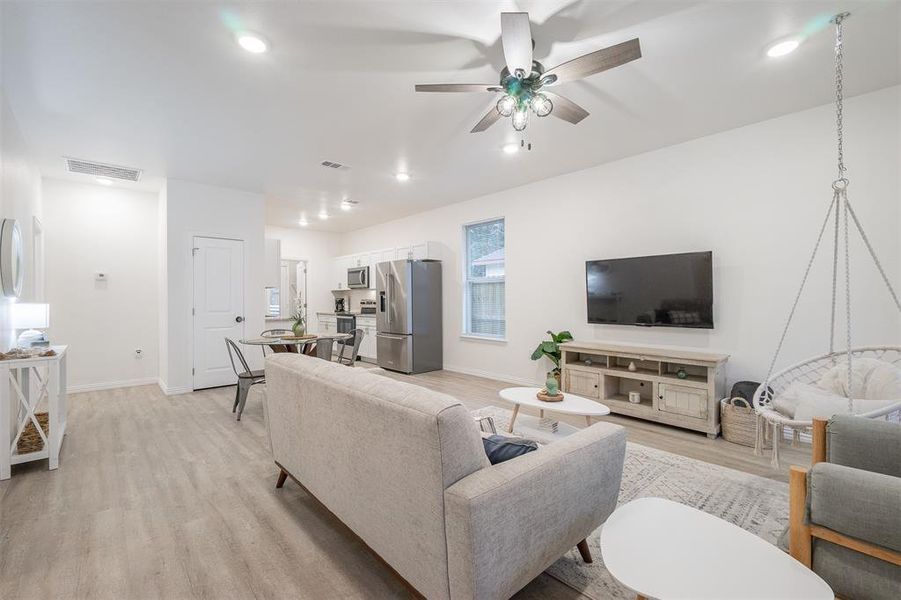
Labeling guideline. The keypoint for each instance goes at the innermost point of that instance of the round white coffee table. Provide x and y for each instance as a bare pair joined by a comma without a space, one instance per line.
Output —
570,405
662,549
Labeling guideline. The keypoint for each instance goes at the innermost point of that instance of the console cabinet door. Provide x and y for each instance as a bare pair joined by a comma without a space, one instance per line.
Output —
582,383
682,400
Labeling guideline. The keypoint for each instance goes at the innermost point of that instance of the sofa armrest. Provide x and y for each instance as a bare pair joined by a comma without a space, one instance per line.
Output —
856,503
508,522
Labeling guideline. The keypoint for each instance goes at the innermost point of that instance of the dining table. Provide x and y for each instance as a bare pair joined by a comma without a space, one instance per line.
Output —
319,345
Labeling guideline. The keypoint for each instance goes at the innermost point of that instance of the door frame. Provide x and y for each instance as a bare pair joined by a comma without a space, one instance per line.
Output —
306,279
38,261
190,274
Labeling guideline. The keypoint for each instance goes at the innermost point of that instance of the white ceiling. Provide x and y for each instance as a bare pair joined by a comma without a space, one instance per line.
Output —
162,86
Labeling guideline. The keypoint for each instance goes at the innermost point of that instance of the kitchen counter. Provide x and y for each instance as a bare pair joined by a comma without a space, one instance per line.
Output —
348,313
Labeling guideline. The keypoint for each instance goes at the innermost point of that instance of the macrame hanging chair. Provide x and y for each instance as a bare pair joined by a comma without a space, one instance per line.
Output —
771,421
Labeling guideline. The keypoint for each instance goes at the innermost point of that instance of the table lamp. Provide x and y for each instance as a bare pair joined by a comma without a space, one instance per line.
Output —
31,317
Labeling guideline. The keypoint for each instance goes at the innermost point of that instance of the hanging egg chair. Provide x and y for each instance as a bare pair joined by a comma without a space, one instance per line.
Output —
863,381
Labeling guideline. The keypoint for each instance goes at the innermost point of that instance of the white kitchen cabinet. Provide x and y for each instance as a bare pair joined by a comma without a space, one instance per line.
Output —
420,251
272,271
386,255
341,265
328,324
367,346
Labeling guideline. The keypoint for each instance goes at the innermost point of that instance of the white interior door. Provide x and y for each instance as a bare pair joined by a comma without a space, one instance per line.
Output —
218,308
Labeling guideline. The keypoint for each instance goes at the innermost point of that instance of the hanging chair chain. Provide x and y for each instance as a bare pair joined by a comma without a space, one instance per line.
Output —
839,98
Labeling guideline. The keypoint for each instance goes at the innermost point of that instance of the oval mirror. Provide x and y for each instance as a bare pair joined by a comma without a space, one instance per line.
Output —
12,272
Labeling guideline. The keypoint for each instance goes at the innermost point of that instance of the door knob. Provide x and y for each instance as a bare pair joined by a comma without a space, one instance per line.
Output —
239,319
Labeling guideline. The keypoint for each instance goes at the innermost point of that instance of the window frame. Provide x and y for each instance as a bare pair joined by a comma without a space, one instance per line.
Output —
466,324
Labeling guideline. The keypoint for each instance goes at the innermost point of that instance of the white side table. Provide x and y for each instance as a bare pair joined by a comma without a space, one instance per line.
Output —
662,549
570,405
19,399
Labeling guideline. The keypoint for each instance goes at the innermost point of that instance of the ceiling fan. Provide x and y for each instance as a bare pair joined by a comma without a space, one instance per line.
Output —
523,80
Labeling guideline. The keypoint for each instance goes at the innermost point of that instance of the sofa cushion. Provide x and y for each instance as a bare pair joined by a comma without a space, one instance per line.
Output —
500,448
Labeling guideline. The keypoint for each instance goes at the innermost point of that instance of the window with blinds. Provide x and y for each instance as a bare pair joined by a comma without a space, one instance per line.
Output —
484,279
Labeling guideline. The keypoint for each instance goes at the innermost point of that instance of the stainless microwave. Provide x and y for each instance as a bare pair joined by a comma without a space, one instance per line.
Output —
358,277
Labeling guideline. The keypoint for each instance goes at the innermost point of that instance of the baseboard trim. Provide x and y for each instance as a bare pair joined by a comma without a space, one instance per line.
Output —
110,385
490,375
172,391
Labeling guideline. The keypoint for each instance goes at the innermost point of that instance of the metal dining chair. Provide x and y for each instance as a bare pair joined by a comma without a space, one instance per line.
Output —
348,351
277,331
246,378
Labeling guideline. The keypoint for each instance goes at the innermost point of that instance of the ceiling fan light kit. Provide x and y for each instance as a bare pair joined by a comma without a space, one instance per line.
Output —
523,79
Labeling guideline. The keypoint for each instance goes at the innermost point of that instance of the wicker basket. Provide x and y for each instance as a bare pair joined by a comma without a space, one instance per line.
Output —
739,421
30,440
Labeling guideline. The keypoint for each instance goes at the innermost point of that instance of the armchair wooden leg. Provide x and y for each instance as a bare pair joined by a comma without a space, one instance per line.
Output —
799,538
584,551
282,476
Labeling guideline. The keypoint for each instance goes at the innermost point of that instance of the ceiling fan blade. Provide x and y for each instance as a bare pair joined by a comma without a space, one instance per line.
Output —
516,37
458,87
595,62
487,121
566,109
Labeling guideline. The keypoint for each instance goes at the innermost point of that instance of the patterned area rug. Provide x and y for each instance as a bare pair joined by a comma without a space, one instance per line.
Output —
754,503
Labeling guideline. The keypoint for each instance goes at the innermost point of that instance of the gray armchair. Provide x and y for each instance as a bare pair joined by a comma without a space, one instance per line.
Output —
845,511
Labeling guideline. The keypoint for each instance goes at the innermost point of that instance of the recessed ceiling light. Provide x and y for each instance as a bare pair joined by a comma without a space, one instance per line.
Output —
303,223
103,180
345,205
402,176
511,148
252,42
782,48
323,215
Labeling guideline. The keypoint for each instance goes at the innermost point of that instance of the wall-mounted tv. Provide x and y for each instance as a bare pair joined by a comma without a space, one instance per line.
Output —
670,290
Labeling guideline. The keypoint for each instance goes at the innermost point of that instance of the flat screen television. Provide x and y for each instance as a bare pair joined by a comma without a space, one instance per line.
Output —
670,290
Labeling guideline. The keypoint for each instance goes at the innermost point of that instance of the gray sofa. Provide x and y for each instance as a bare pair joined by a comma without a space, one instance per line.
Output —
404,468
848,529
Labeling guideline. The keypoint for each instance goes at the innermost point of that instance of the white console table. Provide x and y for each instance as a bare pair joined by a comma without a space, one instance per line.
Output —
24,384
679,387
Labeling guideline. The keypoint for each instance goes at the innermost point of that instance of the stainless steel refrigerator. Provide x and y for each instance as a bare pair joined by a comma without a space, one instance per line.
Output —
408,315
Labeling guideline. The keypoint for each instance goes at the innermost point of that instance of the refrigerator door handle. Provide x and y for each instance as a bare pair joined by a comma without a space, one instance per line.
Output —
390,336
389,299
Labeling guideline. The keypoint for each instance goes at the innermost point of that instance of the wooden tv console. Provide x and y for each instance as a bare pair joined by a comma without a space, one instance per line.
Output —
600,371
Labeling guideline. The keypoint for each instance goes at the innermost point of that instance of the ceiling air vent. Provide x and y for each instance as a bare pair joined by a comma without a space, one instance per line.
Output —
95,169
333,165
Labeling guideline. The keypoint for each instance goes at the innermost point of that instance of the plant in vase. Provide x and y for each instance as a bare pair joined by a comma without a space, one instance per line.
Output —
299,327
551,385
551,350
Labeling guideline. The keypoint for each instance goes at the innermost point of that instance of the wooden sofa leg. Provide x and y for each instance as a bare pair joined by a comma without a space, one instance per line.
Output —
799,538
282,476
584,551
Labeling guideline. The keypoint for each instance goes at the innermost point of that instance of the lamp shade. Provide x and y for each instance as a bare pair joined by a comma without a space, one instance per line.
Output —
30,316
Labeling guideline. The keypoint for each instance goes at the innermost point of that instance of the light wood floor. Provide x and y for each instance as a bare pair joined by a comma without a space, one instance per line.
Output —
170,497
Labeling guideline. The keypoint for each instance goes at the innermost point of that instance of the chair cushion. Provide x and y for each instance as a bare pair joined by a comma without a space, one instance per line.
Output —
871,379
501,448
803,402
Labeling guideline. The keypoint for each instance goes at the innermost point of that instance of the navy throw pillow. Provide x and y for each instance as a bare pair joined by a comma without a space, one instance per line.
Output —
500,448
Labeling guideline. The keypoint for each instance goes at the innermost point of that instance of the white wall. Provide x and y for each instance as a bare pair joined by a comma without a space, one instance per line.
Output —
193,209
318,248
756,196
20,198
90,228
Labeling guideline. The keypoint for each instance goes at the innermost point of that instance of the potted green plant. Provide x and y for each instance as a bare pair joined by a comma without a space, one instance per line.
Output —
551,350
299,327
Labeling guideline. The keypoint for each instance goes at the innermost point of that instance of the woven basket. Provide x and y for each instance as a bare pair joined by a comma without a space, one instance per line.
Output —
739,421
30,440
